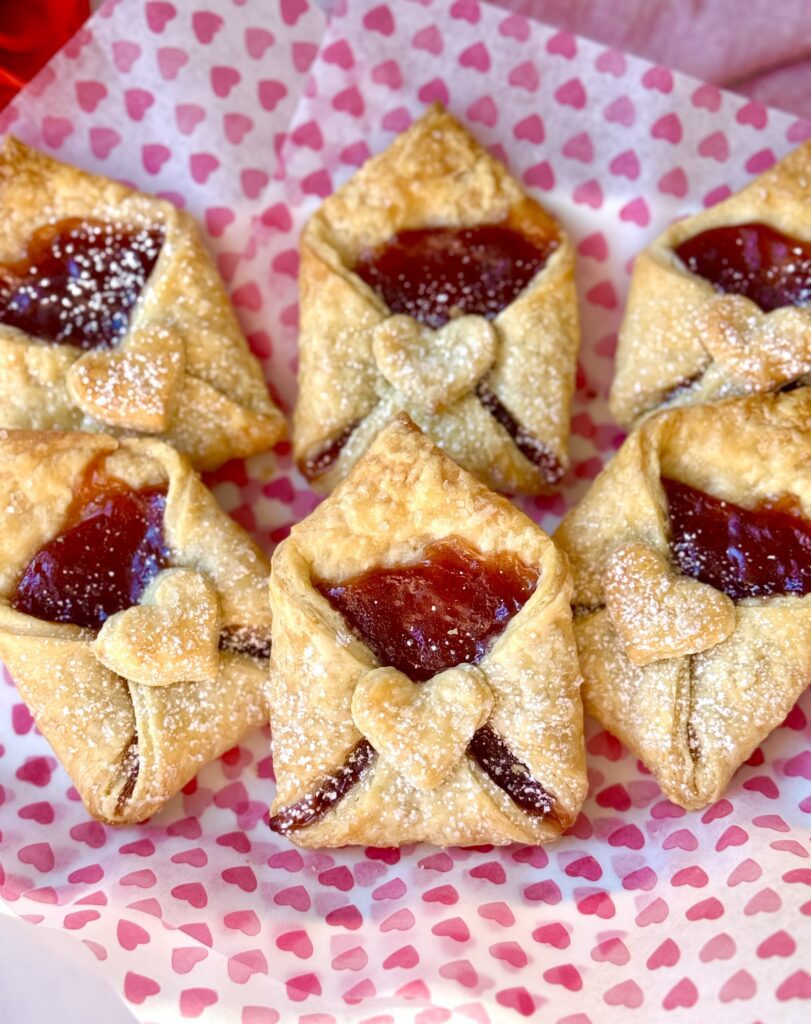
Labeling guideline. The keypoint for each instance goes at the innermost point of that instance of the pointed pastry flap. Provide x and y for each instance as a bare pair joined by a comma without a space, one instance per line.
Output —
647,708
745,687
82,709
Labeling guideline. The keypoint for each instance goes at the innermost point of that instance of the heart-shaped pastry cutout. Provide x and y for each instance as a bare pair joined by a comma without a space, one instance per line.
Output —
762,350
171,636
423,729
133,386
661,614
432,369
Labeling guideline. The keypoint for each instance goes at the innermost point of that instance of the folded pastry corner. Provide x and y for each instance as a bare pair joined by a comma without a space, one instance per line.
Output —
431,283
114,318
691,557
133,614
720,302
424,683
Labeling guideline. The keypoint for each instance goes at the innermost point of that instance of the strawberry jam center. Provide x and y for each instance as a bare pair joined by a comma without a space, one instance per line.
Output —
444,610
102,562
754,260
743,552
79,281
435,274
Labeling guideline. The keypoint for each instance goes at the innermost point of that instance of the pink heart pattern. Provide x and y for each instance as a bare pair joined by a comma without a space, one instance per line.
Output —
634,910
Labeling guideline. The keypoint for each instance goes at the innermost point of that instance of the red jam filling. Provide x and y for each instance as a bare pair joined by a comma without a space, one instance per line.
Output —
442,611
320,462
743,552
530,447
79,282
435,274
102,562
754,260
329,791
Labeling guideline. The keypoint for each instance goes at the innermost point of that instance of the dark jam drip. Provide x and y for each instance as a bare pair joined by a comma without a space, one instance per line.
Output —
101,564
754,260
422,619
329,791
530,447
442,611
435,274
319,463
245,640
743,552
79,282
495,759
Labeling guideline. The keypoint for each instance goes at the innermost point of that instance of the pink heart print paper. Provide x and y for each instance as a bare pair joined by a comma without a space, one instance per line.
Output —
249,113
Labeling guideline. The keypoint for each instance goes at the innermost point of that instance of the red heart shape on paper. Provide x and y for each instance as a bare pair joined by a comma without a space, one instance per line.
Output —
243,966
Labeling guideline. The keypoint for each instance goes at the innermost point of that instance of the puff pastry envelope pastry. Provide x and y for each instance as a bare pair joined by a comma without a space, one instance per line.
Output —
691,556
133,614
432,284
114,318
720,303
424,681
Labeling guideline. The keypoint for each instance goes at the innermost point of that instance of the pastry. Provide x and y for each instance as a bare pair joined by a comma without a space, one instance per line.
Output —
691,557
424,682
114,318
720,303
431,284
133,614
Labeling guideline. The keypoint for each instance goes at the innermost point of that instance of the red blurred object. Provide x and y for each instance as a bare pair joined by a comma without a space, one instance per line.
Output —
31,31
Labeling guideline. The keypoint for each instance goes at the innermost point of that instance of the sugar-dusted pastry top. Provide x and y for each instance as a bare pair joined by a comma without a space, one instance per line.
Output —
406,706
691,557
133,613
720,302
114,318
432,284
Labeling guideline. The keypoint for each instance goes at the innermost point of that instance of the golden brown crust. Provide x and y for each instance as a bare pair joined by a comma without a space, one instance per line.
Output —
681,341
127,745
403,495
687,687
433,174
182,372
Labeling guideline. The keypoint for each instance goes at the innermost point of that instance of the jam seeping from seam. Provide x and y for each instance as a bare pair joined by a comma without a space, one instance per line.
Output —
79,281
437,274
